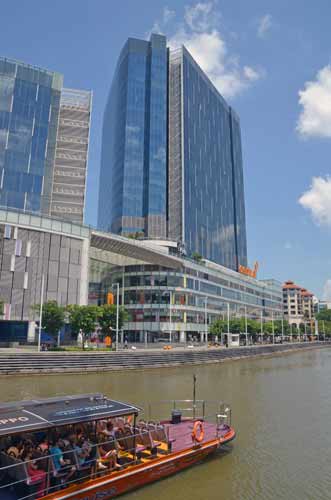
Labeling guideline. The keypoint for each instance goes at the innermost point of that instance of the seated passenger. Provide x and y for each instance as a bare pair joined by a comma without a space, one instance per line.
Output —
16,448
108,451
43,446
109,431
60,463
82,453
35,472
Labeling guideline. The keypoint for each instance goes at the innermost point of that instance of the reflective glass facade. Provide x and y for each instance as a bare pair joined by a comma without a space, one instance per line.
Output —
161,300
171,156
133,176
29,110
206,193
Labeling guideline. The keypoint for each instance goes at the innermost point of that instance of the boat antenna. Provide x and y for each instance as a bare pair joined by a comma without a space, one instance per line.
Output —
194,394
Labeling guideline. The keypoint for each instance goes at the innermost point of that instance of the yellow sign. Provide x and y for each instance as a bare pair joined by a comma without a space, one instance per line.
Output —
249,272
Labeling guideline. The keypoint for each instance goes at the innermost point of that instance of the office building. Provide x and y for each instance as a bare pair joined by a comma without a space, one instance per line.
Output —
171,156
29,113
133,177
206,193
298,303
39,120
71,155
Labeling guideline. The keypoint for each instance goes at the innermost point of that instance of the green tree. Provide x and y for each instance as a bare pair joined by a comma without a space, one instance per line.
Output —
197,257
107,318
53,317
84,319
324,315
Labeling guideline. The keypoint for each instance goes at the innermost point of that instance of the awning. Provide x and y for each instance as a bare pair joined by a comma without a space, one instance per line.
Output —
140,250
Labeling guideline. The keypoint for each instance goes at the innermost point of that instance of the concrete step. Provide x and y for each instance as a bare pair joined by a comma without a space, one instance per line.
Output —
56,363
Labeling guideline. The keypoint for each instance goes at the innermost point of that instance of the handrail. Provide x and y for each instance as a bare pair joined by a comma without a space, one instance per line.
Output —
199,409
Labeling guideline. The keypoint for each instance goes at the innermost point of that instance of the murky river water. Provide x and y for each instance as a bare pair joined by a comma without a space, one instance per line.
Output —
281,410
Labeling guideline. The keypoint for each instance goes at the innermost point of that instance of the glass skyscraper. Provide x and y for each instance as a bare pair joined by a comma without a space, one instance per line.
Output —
29,112
171,155
206,191
44,131
133,178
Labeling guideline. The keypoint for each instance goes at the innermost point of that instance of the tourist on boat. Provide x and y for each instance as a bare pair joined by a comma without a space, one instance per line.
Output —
108,452
36,474
109,430
61,464
16,448
81,453
43,446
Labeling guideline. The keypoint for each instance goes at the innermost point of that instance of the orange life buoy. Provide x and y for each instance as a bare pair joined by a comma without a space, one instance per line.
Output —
129,419
198,432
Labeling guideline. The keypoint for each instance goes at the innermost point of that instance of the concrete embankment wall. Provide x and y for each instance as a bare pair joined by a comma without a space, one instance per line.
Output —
60,362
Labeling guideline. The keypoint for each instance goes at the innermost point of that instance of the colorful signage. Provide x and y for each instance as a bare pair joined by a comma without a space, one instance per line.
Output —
249,272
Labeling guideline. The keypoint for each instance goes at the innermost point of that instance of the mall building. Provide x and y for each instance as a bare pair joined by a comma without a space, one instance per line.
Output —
164,293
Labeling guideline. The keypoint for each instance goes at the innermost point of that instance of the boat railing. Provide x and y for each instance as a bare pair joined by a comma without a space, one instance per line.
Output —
16,474
198,409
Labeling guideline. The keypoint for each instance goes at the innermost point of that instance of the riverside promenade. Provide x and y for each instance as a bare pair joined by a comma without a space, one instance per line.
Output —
30,362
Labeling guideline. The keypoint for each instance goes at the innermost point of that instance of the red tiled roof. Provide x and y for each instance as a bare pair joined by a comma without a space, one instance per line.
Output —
290,285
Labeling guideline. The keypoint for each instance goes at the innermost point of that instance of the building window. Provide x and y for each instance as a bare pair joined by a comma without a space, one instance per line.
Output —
18,248
7,232
28,248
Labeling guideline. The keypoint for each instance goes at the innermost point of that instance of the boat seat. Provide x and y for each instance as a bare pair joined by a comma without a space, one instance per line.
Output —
85,467
148,440
130,443
57,474
161,433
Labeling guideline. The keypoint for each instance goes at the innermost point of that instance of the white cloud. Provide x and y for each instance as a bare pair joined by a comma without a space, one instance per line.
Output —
264,25
197,17
317,199
327,290
315,99
199,32
167,16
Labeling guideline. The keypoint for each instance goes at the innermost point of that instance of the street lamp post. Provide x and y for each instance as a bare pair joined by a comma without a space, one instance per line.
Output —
246,328
262,326
41,310
170,316
117,313
206,322
282,329
228,310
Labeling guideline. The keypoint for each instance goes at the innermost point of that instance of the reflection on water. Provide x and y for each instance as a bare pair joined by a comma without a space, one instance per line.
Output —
281,410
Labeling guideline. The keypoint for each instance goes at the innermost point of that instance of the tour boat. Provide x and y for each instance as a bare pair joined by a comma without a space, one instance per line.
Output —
137,450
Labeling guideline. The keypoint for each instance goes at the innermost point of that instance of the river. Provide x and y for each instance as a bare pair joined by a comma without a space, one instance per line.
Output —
281,409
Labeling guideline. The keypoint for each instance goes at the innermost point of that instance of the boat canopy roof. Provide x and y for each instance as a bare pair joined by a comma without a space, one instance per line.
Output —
38,414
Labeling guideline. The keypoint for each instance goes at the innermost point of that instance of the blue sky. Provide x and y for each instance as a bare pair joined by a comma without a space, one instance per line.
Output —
261,54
